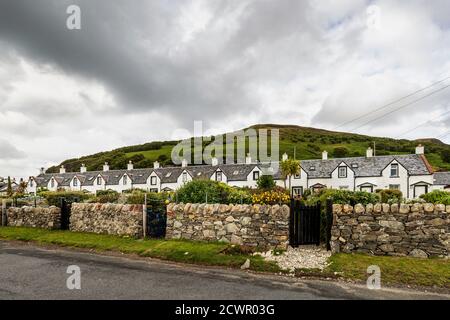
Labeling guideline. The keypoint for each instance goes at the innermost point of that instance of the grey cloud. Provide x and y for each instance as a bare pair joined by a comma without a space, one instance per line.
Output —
8,151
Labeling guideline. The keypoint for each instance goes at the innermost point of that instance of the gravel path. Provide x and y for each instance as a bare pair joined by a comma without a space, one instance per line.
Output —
309,257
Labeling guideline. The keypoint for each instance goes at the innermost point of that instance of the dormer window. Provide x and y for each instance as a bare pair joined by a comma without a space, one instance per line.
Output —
153,181
342,172
75,182
31,183
99,181
52,183
255,175
394,170
219,176
125,180
184,176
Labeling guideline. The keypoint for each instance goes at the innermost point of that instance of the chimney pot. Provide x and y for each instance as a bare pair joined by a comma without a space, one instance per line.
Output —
62,169
420,149
155,165
324,155
83,168
369,152
130,165
106,167
214,161
184,163
248,159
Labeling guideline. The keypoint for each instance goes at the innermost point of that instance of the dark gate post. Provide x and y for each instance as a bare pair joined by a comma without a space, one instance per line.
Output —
4,214
291,223
329,221
318,220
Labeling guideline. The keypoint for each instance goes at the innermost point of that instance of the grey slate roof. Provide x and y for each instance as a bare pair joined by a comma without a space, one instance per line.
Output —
366,167
441,178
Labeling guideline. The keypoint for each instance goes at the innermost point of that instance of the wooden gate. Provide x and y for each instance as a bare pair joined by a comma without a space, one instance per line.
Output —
156,219
304,226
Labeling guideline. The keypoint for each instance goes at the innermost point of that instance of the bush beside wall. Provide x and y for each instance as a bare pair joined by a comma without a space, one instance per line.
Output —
256,225
419,230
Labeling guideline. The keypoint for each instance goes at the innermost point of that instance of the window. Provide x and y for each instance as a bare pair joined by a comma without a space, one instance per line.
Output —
394,170
153,181
52,183
394,186
99,180
255,175
219,176
354,165
342,172
75,182
366,188
184,176
125,179
312,168
153,190
343,187
31,183
297,176
297,191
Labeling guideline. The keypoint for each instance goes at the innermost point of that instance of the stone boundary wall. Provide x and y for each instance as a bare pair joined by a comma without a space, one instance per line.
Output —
107,218
419,230
36,217
262,226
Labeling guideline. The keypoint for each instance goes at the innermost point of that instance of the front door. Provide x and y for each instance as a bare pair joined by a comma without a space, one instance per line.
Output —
420,190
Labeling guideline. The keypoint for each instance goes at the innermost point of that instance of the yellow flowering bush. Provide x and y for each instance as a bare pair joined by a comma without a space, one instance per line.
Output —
271,197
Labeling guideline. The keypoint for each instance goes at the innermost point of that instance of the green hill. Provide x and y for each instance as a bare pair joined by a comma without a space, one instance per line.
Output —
308,143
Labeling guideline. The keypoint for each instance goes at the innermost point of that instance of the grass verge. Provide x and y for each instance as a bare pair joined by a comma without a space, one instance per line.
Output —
193,252
394,270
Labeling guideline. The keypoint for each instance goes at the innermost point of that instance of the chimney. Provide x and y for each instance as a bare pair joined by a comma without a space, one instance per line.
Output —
42,170
324,155
106,167
130,165
369,152
214,161
248,159
62,169
420,149
284,157
184,163
83,168
156,165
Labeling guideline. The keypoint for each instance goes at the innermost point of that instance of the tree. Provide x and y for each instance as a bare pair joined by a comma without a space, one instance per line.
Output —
445,155
289,168
266,182
340,152
9,190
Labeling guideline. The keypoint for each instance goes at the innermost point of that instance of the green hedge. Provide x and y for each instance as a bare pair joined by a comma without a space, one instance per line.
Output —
437,196
54,198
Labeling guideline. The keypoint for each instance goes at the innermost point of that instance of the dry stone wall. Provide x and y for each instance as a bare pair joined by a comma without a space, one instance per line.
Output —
419,230
36,217
114,219
249,225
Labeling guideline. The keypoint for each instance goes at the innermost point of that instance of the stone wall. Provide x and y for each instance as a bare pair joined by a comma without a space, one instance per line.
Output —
420,230
250,225
39,217
115,219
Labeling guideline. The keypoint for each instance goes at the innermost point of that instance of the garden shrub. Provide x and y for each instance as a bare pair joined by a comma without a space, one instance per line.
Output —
54,198
202,191
437,196
275,196
107,196
266,182
390,195
239,196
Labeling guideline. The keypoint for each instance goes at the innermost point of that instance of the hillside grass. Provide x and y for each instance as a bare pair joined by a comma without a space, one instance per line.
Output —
193,252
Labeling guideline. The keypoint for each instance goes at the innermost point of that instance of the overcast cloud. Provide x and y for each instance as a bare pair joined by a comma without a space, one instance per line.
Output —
137,71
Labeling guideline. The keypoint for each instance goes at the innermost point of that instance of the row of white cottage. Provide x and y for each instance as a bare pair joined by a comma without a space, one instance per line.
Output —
411,174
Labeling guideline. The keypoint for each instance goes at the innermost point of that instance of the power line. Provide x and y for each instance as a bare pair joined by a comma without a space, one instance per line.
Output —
422,124
401,107
390,103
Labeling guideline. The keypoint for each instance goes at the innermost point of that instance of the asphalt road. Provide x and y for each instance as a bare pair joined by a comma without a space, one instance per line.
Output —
30,272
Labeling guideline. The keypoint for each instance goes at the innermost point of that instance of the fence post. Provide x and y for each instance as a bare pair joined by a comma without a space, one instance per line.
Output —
329,221
144,216
4,215
291,223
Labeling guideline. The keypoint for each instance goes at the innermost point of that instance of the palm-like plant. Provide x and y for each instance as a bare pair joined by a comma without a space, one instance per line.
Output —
289,168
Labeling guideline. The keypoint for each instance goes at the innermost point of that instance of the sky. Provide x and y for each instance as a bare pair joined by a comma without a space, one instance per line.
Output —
139,71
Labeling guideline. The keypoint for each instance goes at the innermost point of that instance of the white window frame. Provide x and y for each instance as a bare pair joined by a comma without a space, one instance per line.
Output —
125,180
153,181
184,176
396,166
339,172
219,176
99,181
257,174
